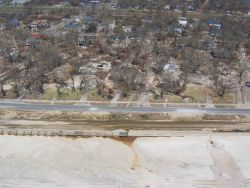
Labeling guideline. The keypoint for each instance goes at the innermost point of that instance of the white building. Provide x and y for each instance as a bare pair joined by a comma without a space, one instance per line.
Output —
182,21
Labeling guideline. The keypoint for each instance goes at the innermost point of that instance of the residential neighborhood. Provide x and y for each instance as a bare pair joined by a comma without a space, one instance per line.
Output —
182,52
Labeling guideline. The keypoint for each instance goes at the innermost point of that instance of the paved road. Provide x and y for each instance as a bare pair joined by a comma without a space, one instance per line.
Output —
48,107
107,11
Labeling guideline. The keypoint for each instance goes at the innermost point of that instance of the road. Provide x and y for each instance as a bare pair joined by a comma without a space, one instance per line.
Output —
107,11
48,107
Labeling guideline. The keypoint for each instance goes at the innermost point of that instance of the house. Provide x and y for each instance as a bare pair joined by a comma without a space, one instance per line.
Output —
86,41
38,24
182,21
14,56
19,2
90,82
247,84
106,25
214,23
221,53
112,26
175,7
89,19
90,3
72,25
179,29
94,1
104,66
134,37
247,2
170,67
167,7
215,32
14,23
119,37
208,45
215,27
146,20
127,29
199,79
66,3
31,42
191,6
91,24
87,69
39,36
2,27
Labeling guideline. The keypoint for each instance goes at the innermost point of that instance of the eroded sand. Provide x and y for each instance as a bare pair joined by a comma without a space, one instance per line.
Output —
198,160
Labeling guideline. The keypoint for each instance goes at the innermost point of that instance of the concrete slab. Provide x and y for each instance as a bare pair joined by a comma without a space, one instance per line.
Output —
114,101
144,100
83,101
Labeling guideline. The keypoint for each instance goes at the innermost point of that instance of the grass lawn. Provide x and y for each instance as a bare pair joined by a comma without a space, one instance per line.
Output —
226,99
197,92
67,94
174,99
158,100
93,96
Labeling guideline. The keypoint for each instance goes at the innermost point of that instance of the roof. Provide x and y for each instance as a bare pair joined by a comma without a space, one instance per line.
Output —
247,2
213,21
19,1
119,37
88,19
39,22
221,53
179,28
134,37
169,67
215,32
14,22
91,2
72,25
182,18
39,36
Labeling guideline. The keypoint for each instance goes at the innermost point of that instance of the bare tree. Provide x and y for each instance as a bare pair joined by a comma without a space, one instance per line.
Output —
191,62
220,75
172,84
128,78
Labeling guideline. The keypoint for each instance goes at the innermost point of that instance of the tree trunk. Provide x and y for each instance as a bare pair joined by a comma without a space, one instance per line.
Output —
58,89
2,90
73,84
16,91
81,86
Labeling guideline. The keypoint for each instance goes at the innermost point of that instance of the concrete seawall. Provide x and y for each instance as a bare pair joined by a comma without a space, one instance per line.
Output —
113,133
97,133
57,132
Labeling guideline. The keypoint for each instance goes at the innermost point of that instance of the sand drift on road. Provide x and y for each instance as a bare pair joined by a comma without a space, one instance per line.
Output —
195,160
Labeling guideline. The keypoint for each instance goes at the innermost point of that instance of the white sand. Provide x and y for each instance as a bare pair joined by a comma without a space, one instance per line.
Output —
189,161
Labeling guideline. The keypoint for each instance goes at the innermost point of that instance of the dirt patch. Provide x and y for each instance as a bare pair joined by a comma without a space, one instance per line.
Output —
223,117
126,140
139,116
185,117
109,119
